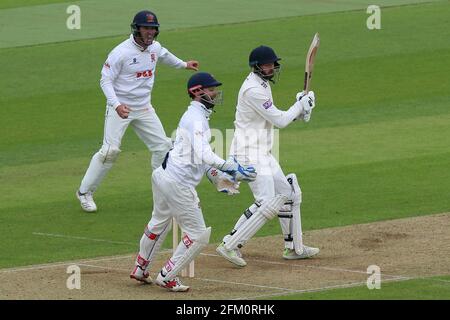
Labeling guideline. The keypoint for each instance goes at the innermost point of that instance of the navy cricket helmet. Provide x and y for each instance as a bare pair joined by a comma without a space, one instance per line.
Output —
201,80
144,18
262,55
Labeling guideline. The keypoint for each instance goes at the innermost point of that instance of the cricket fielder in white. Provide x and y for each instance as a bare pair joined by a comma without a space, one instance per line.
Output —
127,81
174,183
275,193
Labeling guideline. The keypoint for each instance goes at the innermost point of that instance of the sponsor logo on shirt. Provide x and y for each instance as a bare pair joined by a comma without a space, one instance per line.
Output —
267,104
144,74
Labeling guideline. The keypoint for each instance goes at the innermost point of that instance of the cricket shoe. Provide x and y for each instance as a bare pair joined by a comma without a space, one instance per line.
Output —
234,256
174,285
141,275
308,252
87,201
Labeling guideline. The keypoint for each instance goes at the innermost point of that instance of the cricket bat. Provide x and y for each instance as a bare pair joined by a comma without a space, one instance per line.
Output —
309,65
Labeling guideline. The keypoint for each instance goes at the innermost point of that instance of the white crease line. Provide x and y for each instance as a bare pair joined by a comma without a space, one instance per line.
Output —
246,284
35,267
440,280
80,238
327,288
312,267
201,279
348,285
60,264
431,279
101,267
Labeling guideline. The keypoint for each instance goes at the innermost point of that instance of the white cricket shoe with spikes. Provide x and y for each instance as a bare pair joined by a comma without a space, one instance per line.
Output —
308,252
141,275
234,256
87,201
174,285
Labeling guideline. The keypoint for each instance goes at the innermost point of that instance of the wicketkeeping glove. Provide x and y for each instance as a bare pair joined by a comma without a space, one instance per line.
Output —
238,172
223,181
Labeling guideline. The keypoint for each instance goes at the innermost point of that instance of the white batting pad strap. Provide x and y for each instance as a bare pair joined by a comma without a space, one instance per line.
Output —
268,210
190,254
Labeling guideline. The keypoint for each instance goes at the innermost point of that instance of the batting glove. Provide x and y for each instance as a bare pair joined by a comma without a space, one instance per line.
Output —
307,102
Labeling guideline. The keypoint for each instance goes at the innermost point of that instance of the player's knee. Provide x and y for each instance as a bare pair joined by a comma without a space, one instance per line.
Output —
109,153
270,206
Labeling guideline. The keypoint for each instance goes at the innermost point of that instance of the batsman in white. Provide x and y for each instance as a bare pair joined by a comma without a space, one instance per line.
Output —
275,193
174,183
127,81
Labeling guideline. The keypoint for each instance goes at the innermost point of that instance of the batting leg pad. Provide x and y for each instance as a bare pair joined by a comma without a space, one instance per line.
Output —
194,249
268,210
295,227
243,218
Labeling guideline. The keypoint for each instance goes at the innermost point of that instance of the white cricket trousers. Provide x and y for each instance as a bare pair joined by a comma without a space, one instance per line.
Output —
171,200
148,127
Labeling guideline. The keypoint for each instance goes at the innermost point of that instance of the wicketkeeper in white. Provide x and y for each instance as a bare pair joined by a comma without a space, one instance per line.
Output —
275,193
127,81
174,183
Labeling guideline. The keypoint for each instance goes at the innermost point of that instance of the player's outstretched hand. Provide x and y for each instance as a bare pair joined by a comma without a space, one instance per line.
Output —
123,111
238,172
192,65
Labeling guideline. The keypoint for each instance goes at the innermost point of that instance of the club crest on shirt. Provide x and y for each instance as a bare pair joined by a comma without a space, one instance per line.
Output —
267,104
153,57
134,61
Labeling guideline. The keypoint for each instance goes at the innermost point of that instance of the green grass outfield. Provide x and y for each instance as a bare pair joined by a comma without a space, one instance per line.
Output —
416,289
377,147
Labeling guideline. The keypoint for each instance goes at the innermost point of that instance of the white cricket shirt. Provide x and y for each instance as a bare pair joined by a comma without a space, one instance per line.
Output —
255,117
192,155
129,72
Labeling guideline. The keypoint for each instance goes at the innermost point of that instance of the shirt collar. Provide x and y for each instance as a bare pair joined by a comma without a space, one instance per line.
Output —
140,48
257,77
199,106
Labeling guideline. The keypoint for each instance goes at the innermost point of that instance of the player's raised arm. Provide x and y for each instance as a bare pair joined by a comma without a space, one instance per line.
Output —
265,107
